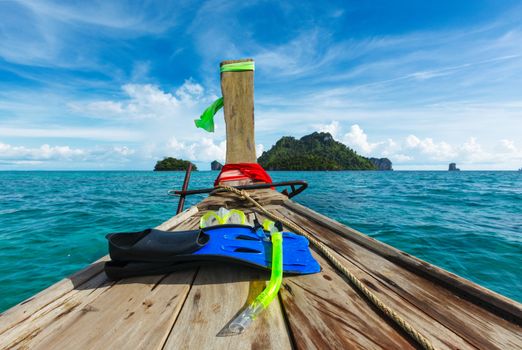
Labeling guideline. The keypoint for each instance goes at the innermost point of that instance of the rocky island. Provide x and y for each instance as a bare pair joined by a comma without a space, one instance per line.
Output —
453,167
215,165
173,164
382,163
317,151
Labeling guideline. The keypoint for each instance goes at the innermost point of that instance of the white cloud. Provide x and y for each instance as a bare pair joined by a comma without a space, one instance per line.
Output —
203,150
124,150
413,151
510,149
105,134
332,128
47,33
401,158
190,92
138,17
397,80
439,151
109,107
168,120
259,150
412,141
22,155
509,145
44,152
358,140
471,151
147,101
301,55
21,162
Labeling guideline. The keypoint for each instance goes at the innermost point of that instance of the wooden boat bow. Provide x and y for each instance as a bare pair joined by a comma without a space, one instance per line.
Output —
190,309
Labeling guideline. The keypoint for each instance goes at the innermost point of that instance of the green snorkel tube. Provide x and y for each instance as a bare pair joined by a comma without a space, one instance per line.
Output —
261,302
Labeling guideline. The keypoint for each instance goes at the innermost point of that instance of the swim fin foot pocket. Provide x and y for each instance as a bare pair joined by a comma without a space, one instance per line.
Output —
152,252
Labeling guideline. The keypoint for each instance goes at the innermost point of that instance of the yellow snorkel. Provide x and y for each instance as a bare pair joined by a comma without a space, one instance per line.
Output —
224,216
261,302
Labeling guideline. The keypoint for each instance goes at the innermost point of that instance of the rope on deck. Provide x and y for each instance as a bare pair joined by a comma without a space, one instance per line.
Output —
326,251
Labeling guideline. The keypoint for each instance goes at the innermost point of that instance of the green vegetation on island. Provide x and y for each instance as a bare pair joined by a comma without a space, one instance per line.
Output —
173,164
317,151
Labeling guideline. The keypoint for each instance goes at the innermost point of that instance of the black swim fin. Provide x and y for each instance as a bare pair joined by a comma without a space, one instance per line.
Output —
154,251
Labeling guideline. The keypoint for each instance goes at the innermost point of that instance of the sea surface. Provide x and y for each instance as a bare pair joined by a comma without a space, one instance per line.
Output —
470,223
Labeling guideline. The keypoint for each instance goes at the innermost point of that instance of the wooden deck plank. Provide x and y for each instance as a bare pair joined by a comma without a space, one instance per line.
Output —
441,337
21,312
137,312
406,292
24,333
190,309
27,319
218,294
230,200
412,304
324,311
178,219
499,304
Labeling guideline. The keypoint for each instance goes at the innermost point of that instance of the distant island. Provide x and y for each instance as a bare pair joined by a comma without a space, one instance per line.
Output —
317,151
215,165
172,164
453,167
382,163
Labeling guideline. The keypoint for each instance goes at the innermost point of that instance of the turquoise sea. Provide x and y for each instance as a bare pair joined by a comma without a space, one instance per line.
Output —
470,223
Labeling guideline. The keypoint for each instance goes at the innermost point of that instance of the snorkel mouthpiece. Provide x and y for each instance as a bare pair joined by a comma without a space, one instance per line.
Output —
245,318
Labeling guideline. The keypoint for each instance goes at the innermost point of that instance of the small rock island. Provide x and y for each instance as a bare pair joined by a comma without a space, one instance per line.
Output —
215,165
453,167
173,164
317,151
382,163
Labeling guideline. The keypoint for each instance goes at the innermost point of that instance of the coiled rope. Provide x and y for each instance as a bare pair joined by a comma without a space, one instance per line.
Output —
326,251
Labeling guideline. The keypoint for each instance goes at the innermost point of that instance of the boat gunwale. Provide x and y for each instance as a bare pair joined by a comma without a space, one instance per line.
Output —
502,306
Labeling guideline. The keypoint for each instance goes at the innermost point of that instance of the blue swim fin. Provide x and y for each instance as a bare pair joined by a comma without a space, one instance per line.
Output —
155,251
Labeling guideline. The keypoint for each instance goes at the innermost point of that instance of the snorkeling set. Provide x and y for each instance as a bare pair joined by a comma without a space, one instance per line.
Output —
223,236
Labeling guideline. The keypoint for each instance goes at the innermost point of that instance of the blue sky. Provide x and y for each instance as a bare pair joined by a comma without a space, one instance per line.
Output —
116,85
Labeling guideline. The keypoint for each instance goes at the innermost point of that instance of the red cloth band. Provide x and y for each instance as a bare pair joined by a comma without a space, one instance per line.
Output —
252,171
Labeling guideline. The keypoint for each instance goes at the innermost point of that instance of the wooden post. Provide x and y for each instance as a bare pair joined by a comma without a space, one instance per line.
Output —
181,202
238,97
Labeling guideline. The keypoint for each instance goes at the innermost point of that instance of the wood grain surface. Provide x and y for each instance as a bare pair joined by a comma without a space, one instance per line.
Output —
191,309
238,105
